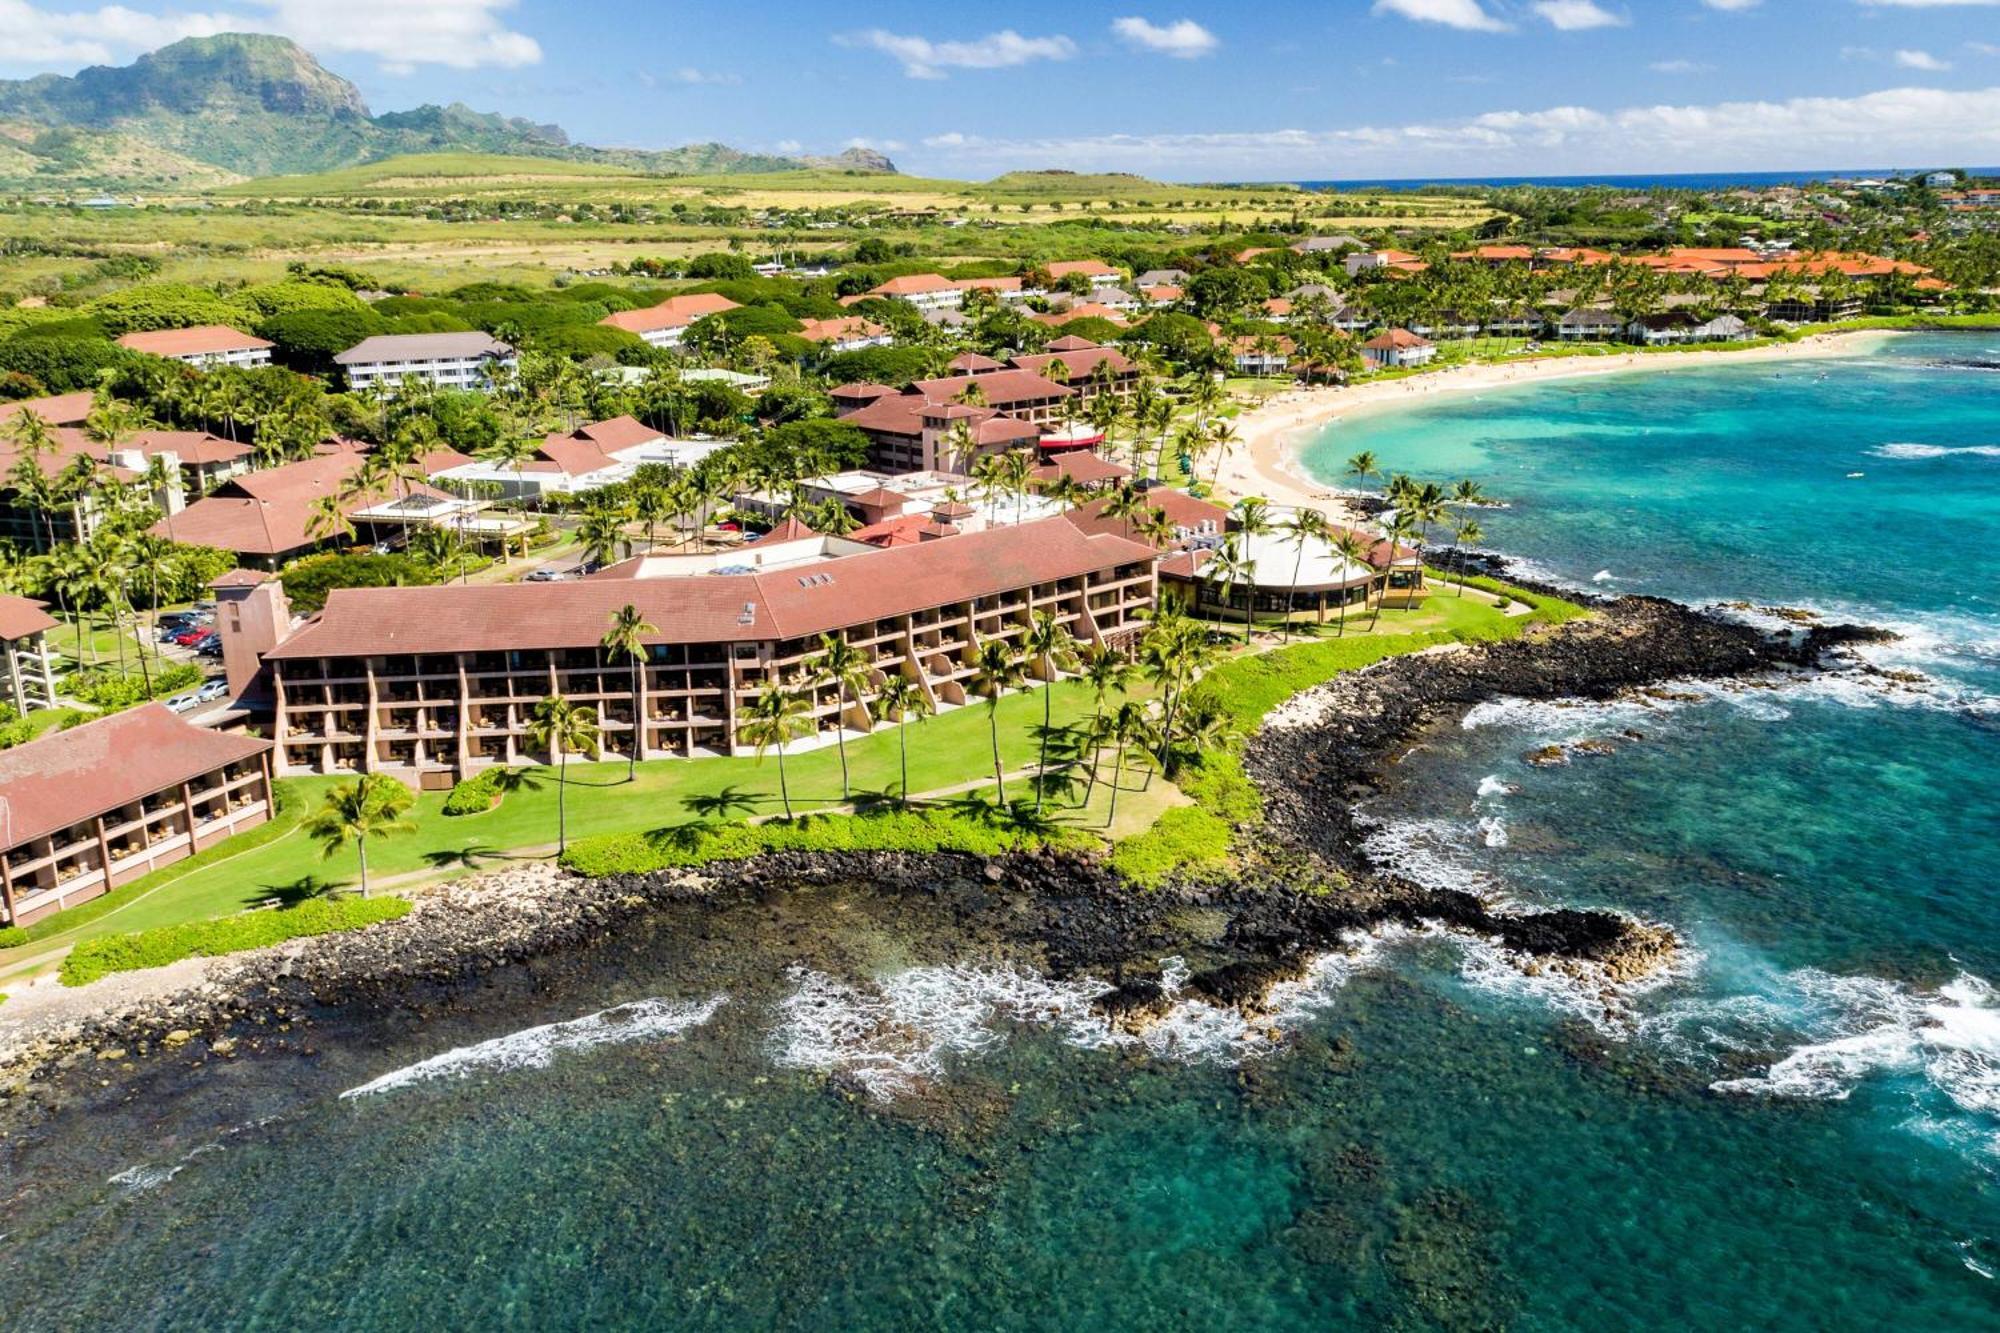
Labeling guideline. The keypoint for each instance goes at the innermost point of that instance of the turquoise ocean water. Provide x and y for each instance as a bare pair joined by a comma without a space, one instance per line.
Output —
1800,1130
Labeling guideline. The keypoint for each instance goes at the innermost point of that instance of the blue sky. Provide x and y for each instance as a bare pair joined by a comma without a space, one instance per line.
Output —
1281,89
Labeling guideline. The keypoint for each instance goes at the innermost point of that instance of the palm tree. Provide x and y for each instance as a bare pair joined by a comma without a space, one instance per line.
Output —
1126,502
1353,550
996,669
1223,436
327,520
1364,465
603,537
1405,526
1306,525
563,728
371,806
627,638
1230,567
778,717
1128,725
846,668
1049,643
1465,534
902,698
1104,671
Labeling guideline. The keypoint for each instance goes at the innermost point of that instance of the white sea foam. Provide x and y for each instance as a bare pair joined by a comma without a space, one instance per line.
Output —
902,1030
1913,452
1603,576
534,1048
1860,1028
1493,785
1493,831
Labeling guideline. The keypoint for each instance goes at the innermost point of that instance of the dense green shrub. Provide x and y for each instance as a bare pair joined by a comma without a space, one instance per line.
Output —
917,831
63,365
310,578
100,957
477,794
166,305
110,688
12,937
1185,838
1216,782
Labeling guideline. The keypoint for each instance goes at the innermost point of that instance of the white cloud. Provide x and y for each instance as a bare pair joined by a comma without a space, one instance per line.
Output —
1983,48
1468,15
1800,133
688,74
1921,60
1578,15
1679,67
463,34
923,58
38,38
1183,39
1732,6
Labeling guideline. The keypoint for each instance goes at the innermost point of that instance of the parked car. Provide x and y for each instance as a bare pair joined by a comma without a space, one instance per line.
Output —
184,703
213,690
542,576
187,638
209,645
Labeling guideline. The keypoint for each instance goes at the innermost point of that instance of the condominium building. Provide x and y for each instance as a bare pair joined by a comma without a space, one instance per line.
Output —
430,683
448,360
666,324
204,345
89,809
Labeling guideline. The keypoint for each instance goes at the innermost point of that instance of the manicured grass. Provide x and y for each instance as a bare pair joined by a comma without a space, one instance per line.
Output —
106,954
919,831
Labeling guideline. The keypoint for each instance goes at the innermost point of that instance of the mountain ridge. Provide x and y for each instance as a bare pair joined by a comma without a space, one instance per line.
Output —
250,104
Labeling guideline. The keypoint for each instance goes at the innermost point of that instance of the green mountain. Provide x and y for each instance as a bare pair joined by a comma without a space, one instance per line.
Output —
246,104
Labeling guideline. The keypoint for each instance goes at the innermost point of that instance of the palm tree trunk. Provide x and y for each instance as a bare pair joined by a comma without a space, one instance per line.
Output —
562,801
1117,772
903,740
1292,594
361,848
638,727
840,740
993,725
784,788
1042,763
1096,752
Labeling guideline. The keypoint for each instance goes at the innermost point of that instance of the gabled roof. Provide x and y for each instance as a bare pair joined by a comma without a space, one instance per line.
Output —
266,513
62,409
676,312
1082,466
422,347
1182,510
999,387
201,340
71,776
716,608
1080,362
912,284
621,432
972,363
839,330
23,616
1394,338
1089,268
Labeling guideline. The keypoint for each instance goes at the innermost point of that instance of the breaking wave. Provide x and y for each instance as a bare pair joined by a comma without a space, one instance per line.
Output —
1913,452
536,1047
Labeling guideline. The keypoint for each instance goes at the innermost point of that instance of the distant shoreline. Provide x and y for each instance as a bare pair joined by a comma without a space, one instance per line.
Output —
1267,463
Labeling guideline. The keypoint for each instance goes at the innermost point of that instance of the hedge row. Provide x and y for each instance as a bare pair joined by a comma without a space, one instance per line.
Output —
106,954
919,831
108,688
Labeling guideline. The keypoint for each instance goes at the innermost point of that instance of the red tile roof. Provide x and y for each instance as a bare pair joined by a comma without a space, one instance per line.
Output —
23,616
1082,466
1182,509
999,388
1394,338
676,312
77,774
266,513
719,608
1080,362
912,284
839,330
201,340
1089,268
62,409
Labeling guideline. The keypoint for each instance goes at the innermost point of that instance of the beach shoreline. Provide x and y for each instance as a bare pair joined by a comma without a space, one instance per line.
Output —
1267,464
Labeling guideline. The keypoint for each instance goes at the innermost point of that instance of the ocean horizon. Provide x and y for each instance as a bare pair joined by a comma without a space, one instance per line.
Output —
1693,180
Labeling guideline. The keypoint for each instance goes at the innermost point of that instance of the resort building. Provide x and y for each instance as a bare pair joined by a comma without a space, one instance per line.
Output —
195,462
1095,271
925,291
27,664
62,409
850,334
430,683
1588,324
666,324
97,806
893,509
265,518
204,345
603,453
448,360
1282,579
1397,349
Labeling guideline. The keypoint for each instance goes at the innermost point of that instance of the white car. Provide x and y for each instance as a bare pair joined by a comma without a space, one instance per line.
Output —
184,703
213,690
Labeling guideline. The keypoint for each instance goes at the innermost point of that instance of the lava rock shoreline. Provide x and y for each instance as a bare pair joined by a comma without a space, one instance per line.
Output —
1066,914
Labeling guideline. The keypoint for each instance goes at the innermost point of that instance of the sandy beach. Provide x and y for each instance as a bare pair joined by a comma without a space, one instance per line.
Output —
1266,462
